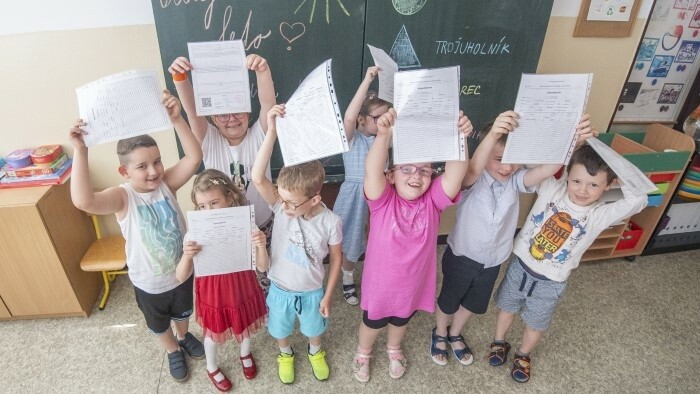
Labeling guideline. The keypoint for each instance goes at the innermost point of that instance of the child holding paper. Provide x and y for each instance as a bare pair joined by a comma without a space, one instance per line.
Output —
360,128
305,232
152,224
400,266
482,237
564,221
227,142
228,305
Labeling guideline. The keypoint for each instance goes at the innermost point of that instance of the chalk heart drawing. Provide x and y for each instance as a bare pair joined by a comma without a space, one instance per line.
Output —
293,31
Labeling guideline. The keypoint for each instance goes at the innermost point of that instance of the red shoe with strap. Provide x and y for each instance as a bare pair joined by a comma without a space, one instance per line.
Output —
252,371
224,385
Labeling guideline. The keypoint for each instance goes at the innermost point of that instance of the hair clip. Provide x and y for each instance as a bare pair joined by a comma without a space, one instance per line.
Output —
371,96
215,181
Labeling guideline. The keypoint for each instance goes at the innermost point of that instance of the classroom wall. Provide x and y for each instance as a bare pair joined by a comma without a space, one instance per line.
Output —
53,47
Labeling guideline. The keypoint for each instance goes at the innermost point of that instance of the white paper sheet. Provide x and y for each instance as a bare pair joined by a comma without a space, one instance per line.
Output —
225,236
626,171
387,69
121,106
219,77
312,127
550,107
427,106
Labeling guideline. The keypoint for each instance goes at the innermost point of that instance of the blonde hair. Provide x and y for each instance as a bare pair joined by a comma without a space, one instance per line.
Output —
306,178
209,179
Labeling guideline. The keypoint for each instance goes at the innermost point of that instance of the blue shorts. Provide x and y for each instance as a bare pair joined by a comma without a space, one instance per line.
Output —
285,306
534,299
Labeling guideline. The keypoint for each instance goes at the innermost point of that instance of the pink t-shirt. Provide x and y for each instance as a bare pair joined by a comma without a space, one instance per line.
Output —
400,271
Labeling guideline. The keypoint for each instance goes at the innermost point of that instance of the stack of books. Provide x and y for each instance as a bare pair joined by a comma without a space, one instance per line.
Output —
45,165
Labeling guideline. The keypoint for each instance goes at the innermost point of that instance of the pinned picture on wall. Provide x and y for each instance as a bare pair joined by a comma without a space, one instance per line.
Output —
660,66
646,97
681,4
647,48
670,93
687,52
695,19
630,92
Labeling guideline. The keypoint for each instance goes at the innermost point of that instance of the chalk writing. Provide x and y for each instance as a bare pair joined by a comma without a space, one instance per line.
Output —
467,90
328,8
459,47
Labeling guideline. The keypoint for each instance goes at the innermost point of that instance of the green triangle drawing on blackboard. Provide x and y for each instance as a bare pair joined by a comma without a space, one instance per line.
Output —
402,51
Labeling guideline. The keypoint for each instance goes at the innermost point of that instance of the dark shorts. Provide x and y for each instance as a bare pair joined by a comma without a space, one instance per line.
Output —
465,282
160,309
383,322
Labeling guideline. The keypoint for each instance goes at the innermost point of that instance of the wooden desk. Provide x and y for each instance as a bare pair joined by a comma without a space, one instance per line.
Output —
42,239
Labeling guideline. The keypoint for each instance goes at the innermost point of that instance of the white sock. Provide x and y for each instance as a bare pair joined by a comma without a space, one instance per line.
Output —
245,350
348,277
210,349
287,349
313,349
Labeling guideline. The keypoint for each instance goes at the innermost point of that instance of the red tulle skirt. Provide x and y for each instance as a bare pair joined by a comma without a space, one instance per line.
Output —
230,305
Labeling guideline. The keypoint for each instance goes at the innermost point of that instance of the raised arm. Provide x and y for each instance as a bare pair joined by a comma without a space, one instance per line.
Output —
353,111
375,181
84,197
536,175
185,92
266,87
455,170
182,171
262,160
505,123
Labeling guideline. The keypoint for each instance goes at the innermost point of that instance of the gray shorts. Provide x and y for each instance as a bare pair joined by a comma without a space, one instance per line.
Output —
534,299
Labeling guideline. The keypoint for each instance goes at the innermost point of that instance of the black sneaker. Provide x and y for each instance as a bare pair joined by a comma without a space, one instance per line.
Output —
178,366
192,346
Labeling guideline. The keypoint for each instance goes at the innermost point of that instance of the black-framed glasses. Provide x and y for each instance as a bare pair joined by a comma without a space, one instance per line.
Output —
291,204
410,169
227,117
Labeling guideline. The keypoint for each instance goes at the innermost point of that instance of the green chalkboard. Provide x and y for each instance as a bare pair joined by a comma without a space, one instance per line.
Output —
294,36
494,42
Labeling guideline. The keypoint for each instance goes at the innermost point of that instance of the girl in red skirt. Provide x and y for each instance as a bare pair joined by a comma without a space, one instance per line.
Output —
228,305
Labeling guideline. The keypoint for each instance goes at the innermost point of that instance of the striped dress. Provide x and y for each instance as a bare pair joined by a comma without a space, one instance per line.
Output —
350,204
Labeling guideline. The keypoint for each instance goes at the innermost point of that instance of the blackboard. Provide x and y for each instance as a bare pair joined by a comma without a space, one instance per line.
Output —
494,42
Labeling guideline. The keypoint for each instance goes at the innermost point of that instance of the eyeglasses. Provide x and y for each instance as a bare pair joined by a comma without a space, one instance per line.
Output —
227,117
291,204
410,169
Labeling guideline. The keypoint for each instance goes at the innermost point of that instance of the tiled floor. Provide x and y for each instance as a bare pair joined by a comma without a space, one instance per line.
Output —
622,327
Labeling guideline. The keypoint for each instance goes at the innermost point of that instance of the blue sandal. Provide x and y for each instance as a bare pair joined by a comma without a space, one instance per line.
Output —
436,351
460,353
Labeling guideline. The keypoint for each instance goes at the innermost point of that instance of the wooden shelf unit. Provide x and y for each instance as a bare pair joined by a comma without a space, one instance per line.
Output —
657,150
42,239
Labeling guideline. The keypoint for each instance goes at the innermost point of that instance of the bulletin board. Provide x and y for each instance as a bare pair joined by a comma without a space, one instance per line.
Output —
665,65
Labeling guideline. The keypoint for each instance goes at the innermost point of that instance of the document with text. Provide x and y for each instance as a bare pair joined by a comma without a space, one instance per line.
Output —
387,69
312,127
121,106
550,107
225,237
219,77
427,107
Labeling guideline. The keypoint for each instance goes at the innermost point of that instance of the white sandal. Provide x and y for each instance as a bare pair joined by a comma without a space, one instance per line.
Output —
360,365
397,362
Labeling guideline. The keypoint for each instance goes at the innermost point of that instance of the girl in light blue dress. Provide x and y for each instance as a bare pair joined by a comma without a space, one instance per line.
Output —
360,128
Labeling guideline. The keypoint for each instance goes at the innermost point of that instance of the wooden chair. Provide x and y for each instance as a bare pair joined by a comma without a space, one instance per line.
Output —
106,255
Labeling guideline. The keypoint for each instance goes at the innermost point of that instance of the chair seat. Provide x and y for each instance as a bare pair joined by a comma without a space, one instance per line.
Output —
105,254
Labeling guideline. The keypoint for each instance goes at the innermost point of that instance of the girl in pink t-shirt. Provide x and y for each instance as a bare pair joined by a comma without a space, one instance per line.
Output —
399,276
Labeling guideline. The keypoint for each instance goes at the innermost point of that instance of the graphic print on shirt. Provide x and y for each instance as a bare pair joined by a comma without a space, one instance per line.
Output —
548,243
410,221
299,249
161,235
239,176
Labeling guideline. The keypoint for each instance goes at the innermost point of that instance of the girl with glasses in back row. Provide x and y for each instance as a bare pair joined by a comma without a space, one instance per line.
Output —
228,143
360,128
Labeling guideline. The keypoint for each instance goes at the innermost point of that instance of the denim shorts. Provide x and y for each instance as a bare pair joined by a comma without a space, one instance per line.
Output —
286,306
534,299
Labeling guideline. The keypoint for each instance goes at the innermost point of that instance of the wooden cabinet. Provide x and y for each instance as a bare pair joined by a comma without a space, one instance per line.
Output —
42,239
661,153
